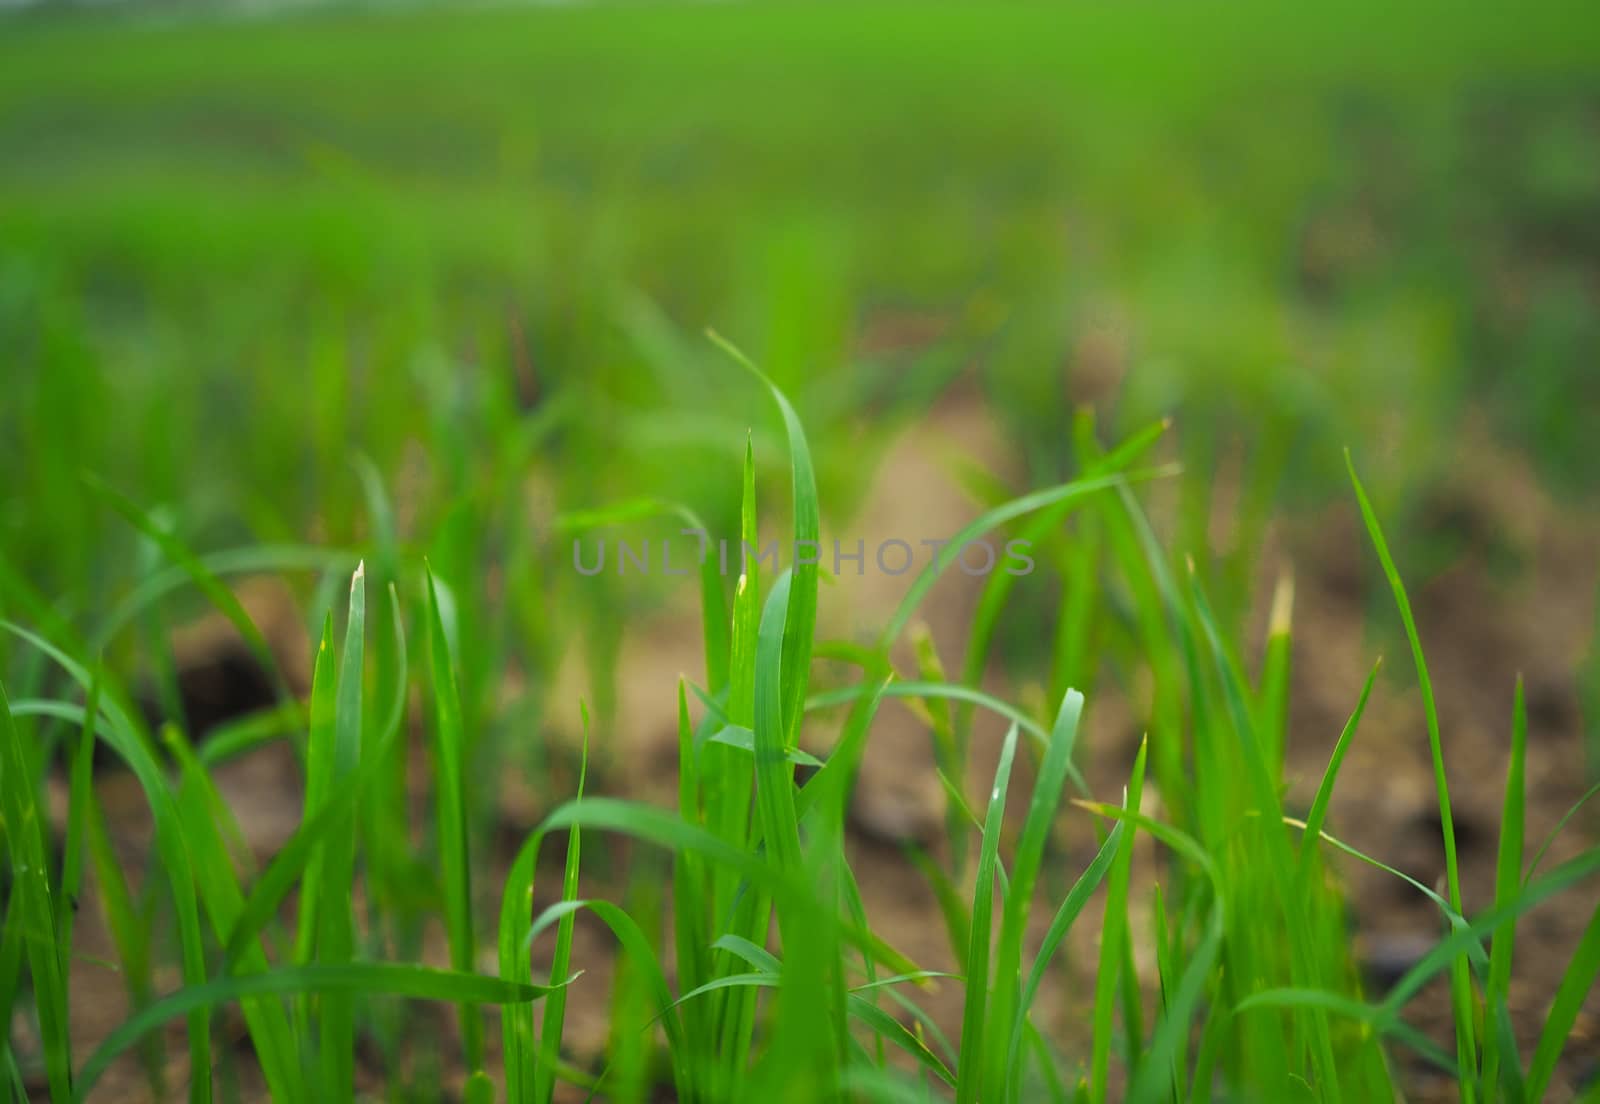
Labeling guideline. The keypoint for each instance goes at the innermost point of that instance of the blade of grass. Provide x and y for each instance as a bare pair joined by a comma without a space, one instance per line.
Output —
1061,923
810,1032
1544,845
336,908
1111,935
953,691
79,809
1461,996
454,855
1152,1078
30,883
689,901
250,560
1272,711
801,618
992,520
1577,984
970,1087
348,979
1042,806
1319,804
666,830
555,1008
319,792
326,807
204,580
1507,879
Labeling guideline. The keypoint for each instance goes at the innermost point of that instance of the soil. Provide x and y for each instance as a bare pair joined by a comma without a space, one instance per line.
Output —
1480,624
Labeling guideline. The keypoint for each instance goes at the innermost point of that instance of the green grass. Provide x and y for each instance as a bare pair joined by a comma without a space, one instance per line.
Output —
774,983
392,306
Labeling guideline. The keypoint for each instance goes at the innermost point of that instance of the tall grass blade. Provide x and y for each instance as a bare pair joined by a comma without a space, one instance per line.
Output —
36,916
970,1087
336,916
1111,935
1047,790
555,1010
801,619
1507,880
1461,997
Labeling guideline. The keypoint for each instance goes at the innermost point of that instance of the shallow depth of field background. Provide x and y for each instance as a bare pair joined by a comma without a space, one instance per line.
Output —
240,253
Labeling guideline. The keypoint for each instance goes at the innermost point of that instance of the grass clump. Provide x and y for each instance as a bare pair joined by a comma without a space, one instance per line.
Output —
1223,969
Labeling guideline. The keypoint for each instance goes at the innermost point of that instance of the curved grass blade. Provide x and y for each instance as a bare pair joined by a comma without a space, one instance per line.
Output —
204,580
348,979
1454,919
229,741
1544,846
991,520
1461,996
737,736
632,939
666,830
250,560
999,584
950,690
887,1027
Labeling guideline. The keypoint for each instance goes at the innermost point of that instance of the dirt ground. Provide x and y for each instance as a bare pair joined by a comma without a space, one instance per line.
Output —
1480,626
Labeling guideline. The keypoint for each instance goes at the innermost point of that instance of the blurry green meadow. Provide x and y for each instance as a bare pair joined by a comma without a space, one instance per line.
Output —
283,291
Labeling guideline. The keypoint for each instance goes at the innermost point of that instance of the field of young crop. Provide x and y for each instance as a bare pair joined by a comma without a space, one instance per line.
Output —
725,553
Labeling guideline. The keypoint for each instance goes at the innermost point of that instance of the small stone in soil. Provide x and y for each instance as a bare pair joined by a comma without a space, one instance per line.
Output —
1385,958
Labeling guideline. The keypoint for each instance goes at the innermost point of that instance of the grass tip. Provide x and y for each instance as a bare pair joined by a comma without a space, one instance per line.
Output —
1282,604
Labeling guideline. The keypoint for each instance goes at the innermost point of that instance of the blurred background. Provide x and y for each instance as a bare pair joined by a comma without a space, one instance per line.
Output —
310,276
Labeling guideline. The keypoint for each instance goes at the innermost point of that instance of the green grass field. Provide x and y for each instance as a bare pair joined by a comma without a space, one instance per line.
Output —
391,308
